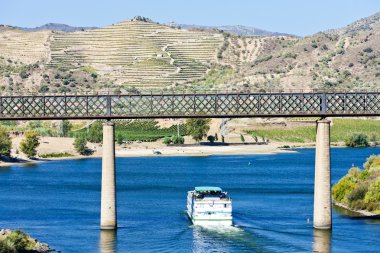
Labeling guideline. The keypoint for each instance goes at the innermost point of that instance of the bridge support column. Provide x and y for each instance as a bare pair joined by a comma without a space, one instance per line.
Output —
108,219
322,183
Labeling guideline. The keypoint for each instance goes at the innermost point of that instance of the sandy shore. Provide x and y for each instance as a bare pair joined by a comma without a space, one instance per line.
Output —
135,149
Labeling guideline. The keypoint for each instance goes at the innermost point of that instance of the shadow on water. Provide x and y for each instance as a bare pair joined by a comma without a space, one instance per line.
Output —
322,241
107,242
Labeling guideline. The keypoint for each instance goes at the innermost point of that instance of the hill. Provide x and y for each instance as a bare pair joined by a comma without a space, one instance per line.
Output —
140,54
55,27
238,30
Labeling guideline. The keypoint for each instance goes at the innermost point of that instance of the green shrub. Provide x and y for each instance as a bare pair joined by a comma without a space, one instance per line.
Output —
5,142
43,88
357,141
177,139
95,133
342,188
56,155
29,145
373,194
18,239
7,247
80,144
167,140
119,138
358,193
368,50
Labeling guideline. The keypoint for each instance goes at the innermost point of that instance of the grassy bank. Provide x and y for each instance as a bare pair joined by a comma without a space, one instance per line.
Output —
341,129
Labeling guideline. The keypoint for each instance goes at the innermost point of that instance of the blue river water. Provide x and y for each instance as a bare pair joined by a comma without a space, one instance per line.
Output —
58,202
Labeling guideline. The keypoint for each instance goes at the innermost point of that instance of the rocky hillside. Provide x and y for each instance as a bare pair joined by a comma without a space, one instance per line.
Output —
140,54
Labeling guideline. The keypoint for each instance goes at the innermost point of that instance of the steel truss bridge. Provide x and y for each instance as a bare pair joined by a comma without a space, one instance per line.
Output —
211,105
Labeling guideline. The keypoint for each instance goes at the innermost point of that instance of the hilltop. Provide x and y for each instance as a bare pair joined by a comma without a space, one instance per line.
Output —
140,54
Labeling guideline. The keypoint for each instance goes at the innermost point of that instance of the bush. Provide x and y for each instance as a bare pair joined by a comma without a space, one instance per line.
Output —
95,133
177,139
18,239
56,155
373,194
7,247
43,88
29,145
119,138
80,144
357,141
5,142
368,50
342,188
211,138
167,140
358,193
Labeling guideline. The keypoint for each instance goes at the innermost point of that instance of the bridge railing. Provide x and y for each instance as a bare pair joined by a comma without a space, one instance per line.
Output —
170,105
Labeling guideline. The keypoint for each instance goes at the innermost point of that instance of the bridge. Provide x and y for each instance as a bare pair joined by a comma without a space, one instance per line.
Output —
209,105
171,105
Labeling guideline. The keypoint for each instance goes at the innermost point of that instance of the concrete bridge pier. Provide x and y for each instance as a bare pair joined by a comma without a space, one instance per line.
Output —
322,183
108,219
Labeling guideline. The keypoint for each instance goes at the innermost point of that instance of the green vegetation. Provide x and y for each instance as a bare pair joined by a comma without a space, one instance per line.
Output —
29,145
341,130
178,139
137,130
56,155
357,141
360,189
5,142
80,144
198,128
18,241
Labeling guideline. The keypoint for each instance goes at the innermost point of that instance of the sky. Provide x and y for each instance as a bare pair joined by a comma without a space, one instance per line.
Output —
299,17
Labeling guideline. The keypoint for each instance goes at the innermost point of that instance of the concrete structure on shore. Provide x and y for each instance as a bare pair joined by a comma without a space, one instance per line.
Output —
108,219
322,183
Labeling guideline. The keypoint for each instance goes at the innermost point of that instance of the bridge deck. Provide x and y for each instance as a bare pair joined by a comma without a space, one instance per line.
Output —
190,105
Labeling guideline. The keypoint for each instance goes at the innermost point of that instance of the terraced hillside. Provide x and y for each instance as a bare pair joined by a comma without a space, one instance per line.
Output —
137,53
142,55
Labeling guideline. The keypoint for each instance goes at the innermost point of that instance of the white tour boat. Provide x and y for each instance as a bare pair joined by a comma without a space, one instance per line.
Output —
207,205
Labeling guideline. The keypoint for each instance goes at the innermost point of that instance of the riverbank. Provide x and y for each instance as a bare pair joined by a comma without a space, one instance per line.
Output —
360,212
50,145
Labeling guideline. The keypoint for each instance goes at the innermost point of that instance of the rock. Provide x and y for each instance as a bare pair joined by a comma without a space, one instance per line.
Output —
42,247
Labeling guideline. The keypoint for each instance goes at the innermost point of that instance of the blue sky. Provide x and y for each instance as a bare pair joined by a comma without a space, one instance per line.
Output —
301,17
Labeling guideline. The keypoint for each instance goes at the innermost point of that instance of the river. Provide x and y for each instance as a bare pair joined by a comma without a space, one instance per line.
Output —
58,202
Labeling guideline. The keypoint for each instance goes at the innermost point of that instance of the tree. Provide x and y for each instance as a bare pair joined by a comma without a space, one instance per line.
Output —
64,128
357,141
222,138
80,143
216,136
242,138
119,138
211,138
198,128
95,133
5,142
29,145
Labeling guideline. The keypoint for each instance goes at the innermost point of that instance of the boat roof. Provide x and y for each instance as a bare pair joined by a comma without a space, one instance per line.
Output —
208,189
